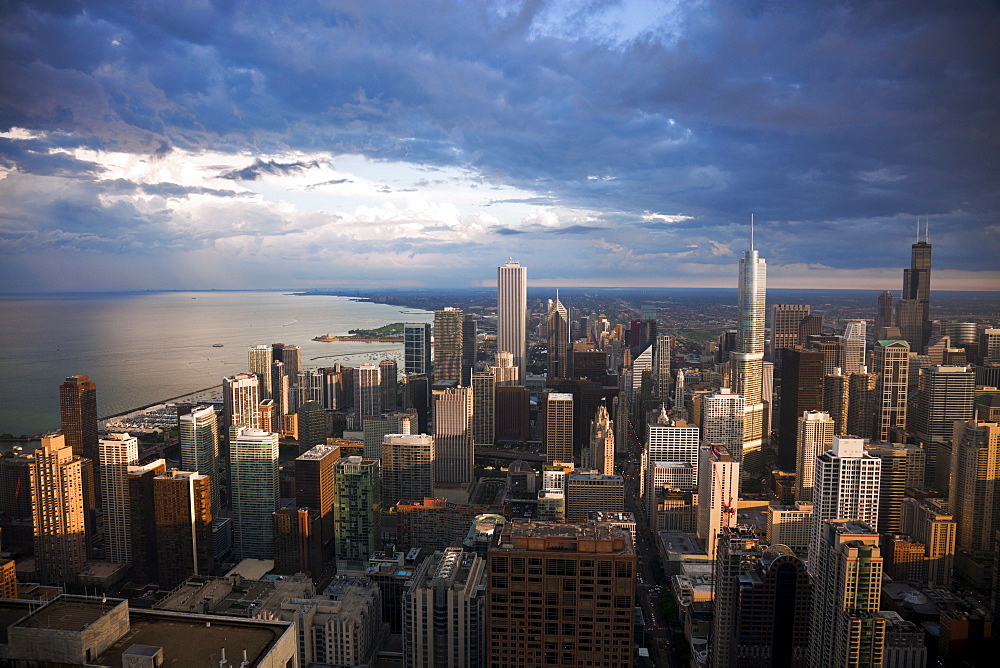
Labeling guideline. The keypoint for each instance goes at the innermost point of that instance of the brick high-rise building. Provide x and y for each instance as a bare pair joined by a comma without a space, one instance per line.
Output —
58,511
545,568
78,412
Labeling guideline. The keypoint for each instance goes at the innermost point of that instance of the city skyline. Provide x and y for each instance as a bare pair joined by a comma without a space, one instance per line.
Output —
615,144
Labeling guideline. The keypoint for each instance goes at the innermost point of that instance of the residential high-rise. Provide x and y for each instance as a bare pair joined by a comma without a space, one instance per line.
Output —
142,519
661,367
389,384
78,413
737,551
470,347
854,346
298,543
453,443
670,440
199,442
312,425
241,398
747,361
718,494
512,313
845,626
837,400
118,452
448,345
975,487
483,408
512,412
558,438
815,436
566,630
944,394
417,347
602,442
560,350
357,511
253,464
861,403
722,417
926,521
314,484
58,511
367,391
183,519
902,468
846,485
786,320
913,310
444,611
407,468
281,388
989,346
260,359
375,429
892,364
802,377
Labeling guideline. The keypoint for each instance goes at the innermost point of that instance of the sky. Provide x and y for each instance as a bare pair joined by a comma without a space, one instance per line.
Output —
190,144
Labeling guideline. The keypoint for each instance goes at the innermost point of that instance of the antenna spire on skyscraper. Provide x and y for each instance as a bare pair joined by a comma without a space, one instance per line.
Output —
751,231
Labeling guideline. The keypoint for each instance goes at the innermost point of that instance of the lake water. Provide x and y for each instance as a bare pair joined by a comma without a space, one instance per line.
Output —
141,348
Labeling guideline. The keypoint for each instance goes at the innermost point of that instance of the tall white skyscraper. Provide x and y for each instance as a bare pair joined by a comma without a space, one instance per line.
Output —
846,484
815,436
747,360
241,398
854,347
118,452
718,494
512,312
199,441
253,455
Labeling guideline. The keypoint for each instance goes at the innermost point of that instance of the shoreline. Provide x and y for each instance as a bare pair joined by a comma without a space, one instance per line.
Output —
161,402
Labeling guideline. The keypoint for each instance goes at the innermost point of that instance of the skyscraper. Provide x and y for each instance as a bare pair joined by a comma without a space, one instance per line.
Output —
786,321
661,367
892,364
902,468
199,442
884,316
746,362
118,452
357,511
314,488
602,442
407,468
512,313
718,493
854,347
846,485
253,456
670,440
837,400
78,411
566,631
241,398
558,438
944,394
367,391
861,403
846,629
444,611
58,512
448,345
738,550
417,347
815,436
312,425
389,384
722,416
483,405
470,332
183,518
975,488
560,353
453,442
801,390
142,519
913,310
260,359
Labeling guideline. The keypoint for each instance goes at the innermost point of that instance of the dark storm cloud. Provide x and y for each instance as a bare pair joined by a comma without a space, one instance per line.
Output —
262,167
575,229
837,123
505,231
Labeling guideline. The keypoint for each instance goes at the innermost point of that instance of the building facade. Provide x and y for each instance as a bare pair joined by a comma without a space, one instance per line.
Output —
253,455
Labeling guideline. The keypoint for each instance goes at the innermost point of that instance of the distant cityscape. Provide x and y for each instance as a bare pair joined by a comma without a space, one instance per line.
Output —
570,481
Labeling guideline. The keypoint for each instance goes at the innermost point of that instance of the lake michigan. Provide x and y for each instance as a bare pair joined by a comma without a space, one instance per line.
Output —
141,348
